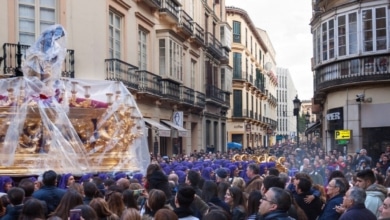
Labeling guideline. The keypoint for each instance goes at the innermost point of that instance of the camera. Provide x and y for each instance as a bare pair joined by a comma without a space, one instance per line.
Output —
75,214
360,97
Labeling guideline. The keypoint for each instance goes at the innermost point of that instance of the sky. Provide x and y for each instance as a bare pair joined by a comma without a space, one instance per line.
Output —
287,25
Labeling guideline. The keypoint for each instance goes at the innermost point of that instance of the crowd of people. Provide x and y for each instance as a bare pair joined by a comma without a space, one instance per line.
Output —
204,185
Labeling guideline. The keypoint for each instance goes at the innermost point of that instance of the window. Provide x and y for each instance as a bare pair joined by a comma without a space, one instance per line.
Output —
325,41
236,32
193,71
142,49
342,36
114,29
237,65
223,79
170,58
331,39
237,100
318,45
374,29
34,17
352,33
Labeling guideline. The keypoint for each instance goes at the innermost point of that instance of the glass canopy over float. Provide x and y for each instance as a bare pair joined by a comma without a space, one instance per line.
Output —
68,125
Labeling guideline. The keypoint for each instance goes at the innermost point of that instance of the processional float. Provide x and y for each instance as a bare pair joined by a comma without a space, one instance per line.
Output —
65,124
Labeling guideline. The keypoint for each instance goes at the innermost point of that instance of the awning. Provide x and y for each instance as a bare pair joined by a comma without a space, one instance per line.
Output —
313,127
162,130
182,131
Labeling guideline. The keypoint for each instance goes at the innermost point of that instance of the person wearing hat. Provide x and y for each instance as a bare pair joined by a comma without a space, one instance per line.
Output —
221,175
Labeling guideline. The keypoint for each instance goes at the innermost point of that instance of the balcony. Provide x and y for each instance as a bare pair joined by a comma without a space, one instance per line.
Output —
214,47
200,99
10,60
170,90
187,95
361,70
154,4
198,34
215,95
186,25
149,83
118,70
170,10
240,76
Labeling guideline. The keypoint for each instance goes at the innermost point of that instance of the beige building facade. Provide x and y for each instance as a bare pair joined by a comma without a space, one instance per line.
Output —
172,55
252,116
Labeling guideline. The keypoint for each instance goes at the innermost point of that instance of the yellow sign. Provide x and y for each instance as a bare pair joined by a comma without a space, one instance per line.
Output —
342,134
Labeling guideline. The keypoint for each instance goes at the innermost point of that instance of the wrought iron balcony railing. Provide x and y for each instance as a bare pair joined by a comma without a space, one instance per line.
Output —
10,59
213,45
149,83
170,7
356,70
198,34
187,95
153,3
119,70
215,94
200,99
186,23
170,89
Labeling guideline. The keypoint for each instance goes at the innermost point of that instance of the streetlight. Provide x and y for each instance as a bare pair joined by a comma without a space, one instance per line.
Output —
297,107
307,118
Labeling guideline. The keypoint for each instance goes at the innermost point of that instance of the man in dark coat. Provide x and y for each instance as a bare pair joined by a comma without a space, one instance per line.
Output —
49,193
312,209
15,197
335,190
353,202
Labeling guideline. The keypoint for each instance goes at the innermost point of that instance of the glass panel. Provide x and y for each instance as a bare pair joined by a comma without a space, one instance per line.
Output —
47,14
26,11
26,26
324,41
352,33
342,36
367,30
27,1
48,3
162,56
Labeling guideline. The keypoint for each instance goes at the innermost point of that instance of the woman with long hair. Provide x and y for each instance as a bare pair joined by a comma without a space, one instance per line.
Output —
102,210
128,197
71,199
87,212
235,199
32,210
130,214
253,205
115,203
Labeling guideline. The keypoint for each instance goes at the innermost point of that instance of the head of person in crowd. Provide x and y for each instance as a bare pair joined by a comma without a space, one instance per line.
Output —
71,199
156,179
384,209
221,175
101,208
252,170
273,171
91,190
157,200
129,198
365,178
87,177
334,174
193,178
354,196
209,190
132,214
275,199
78,187
253,203
108,182
49,178
28,186
221,188
16,196
304,185
115,203
123,183
165,214
184,197
234,197
239,182
174,178
6,183
87,212
32,209
66,180
337,186
271,181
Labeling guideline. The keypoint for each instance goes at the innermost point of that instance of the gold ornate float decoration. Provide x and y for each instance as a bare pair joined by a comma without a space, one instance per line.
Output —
68,125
